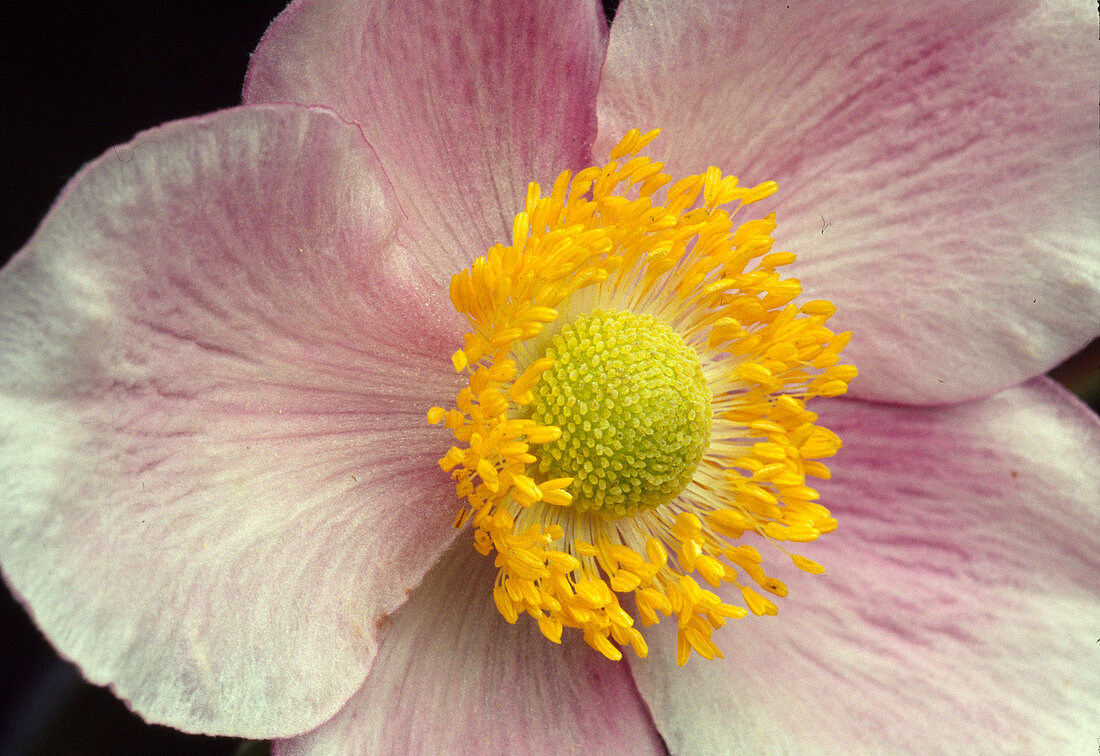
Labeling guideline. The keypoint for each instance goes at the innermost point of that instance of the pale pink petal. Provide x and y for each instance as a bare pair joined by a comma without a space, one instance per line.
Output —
960,610
937,166
465,101
214,372
453,677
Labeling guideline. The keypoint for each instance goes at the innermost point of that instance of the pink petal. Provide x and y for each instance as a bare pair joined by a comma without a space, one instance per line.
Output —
465,101
216,468
938,171
961,607
453,677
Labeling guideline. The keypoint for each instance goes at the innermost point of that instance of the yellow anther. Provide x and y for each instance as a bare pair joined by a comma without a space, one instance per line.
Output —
525,490
436,415
757,604
561,561
604,646
556,496
752,372
543,434
807,565
655,552
504,605
711,569
624,582
689,552
586,549
589,592
626,145
551,628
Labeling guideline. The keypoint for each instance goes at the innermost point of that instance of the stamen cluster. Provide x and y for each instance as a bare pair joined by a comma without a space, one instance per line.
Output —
600,239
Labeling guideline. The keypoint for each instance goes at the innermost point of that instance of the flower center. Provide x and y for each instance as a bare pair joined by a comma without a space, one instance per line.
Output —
659,426
633,408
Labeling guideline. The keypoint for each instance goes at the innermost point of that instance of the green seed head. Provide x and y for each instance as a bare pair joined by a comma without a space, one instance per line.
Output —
633,408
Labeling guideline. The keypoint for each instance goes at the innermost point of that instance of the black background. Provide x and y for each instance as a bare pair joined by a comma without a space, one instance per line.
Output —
79,78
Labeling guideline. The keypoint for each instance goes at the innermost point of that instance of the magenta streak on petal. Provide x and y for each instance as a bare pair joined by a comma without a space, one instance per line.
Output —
453,677
464,101
960,603
938,173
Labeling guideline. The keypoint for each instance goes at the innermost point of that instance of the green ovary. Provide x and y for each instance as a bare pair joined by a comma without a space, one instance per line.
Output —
634,410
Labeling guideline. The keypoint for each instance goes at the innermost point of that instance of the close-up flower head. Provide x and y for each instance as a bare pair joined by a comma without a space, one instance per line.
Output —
549,377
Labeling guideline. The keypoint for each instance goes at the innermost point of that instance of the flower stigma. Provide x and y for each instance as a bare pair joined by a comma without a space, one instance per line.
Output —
633,408
638,375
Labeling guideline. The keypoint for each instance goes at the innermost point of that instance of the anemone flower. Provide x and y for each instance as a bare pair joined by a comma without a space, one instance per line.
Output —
281,460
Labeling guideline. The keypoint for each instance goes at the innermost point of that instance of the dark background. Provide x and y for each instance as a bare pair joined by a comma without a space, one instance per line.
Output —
79,78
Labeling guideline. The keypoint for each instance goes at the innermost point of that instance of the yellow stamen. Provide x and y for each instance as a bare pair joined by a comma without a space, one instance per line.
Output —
638,373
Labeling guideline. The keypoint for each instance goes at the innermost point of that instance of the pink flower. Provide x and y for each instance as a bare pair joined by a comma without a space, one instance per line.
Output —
220,494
